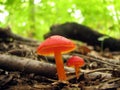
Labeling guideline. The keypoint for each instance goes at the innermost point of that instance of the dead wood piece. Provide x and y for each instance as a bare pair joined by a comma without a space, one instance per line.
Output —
15,63
18,52
6,35
83,33
109,84
91,73
111,63
100,69
5,80
21,87
43,87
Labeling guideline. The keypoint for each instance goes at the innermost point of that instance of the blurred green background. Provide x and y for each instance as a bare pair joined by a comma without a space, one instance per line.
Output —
33,18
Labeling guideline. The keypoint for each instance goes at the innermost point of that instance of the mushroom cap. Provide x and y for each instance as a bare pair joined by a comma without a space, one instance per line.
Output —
55,43
75,61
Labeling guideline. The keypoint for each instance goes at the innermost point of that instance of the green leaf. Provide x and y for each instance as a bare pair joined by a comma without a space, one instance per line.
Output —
103,38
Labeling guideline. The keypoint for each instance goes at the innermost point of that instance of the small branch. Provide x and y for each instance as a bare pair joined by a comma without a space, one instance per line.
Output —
93,73
102,85
98,70
99,60
6,34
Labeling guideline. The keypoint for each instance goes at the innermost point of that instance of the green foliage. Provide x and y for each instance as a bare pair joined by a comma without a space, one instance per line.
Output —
32,18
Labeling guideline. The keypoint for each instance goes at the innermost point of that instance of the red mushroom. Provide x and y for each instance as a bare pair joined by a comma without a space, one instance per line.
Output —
57,45
76,62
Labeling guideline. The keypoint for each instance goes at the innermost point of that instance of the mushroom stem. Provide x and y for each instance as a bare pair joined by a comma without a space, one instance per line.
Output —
77,71
60,66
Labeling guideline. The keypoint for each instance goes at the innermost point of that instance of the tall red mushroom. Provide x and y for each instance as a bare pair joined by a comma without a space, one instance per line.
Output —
75,62
57,45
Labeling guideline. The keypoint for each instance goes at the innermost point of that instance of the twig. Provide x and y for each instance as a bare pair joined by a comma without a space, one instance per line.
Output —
113,80
98,60
108,82
100,69
88,72
5,33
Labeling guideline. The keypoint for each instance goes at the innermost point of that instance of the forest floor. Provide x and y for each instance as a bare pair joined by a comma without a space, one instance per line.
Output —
100,72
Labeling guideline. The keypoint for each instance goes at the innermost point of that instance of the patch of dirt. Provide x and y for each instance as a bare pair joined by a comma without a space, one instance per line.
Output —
100,72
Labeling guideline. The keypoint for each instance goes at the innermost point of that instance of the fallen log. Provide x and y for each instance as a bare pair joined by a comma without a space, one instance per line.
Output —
15,63
83,33
6,35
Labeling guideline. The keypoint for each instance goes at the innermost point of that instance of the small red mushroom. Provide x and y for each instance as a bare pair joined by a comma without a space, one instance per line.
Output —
57,45
76,62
